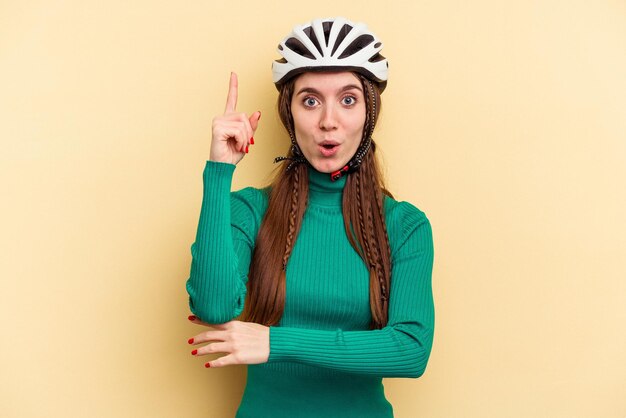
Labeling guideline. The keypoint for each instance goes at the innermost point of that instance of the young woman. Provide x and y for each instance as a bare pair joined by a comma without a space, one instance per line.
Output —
329,276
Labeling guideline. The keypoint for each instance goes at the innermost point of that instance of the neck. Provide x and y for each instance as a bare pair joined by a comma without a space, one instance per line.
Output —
323,191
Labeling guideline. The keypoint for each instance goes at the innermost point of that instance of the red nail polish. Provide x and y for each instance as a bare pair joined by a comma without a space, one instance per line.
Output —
247,149
252,140
190,341
192,317
207,365
194,352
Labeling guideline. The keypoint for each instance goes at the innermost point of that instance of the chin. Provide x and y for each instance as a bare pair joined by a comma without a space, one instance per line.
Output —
327,166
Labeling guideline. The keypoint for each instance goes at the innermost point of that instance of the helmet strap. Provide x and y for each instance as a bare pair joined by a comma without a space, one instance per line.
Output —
296,154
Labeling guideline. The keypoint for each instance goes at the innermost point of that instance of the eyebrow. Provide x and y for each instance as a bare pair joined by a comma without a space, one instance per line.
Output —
315,91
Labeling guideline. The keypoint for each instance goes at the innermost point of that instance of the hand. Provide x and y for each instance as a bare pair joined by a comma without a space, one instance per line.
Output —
244,342
232,132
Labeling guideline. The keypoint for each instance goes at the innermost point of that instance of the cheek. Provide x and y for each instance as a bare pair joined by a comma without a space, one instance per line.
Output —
357,128
302,132
301,121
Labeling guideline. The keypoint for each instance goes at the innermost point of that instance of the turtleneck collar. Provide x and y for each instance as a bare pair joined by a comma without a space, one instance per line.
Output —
323,191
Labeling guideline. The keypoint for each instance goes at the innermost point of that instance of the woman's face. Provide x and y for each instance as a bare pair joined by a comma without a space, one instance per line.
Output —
329,113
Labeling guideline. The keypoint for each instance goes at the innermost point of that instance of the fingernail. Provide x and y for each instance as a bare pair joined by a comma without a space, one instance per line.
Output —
192,317
207,365
247,148
190,341
259,115
252,140
194,352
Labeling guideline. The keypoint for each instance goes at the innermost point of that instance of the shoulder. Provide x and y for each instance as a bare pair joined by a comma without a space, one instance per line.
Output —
250,197
248,207
403,216
405,224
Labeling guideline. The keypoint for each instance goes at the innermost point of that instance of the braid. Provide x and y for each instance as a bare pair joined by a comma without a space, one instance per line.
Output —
292,216
379,206
359,199
372,257
377,260
371,111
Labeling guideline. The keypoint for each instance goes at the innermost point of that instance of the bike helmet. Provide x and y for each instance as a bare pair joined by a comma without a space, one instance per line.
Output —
331,44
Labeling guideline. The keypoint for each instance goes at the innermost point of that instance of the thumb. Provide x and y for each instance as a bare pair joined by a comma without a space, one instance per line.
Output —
254,120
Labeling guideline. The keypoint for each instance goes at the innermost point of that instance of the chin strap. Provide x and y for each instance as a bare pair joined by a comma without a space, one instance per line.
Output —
355,162
294,161
336,175
298,157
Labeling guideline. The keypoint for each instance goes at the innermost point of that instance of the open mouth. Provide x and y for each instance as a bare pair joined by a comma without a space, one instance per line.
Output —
328,148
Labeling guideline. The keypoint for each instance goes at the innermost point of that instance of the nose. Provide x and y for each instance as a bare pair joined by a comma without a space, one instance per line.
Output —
328,118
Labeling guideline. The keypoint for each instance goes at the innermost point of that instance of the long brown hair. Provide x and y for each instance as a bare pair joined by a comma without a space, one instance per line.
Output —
363,215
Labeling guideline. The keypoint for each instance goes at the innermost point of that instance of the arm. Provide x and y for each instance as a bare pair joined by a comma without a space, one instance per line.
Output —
221,252
402,348
222,249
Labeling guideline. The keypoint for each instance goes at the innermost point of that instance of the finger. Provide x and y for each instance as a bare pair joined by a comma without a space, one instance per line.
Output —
233,88
208,336
254,121
244,135
228,360
194,319
235,119
234,132
219,347
246,130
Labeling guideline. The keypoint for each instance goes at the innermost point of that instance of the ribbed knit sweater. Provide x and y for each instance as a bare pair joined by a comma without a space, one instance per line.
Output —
324,360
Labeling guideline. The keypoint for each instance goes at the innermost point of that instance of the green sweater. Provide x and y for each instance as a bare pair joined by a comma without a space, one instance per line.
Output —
324,360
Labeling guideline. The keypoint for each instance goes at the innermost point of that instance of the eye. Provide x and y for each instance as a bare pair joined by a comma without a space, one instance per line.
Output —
348,100
310,101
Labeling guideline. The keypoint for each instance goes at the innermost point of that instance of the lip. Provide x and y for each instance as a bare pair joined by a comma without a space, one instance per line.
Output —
328,152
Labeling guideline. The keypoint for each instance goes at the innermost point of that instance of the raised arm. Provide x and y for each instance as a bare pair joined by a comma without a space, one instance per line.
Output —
222,249
226,229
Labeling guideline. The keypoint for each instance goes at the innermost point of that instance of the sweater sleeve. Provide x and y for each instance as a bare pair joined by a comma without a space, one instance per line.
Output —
222,249
402,348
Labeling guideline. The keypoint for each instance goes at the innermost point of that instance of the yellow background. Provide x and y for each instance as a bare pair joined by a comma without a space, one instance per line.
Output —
505,121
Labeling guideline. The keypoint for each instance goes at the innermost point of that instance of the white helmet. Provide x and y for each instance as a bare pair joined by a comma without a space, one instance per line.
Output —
333,43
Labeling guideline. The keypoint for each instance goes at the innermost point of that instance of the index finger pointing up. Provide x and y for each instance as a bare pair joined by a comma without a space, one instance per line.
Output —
231,100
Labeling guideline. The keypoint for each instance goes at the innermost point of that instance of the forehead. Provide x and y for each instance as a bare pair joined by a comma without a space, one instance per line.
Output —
326,80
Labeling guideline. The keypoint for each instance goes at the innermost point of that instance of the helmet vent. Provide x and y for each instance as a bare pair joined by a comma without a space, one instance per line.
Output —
327,26
377,57
298,47
311,35
343,32
357,45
